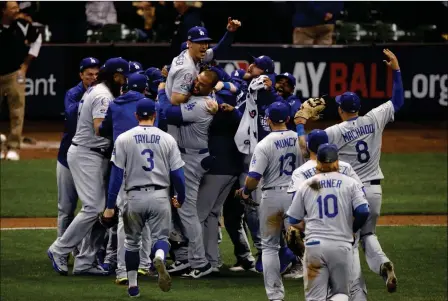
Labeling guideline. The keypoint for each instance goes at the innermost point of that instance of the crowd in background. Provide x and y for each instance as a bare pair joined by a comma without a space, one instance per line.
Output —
299,22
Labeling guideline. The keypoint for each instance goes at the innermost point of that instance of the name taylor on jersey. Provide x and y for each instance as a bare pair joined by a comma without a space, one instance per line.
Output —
141,138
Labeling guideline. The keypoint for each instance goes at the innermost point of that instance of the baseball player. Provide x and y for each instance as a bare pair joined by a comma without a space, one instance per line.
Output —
285,84
135,67
120,118
155,77
88,162
67,195
358,290
333,207
275,158
185,67
194,119
151,160
358,139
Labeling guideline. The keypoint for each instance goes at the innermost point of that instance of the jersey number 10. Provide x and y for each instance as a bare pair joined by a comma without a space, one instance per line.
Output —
324,208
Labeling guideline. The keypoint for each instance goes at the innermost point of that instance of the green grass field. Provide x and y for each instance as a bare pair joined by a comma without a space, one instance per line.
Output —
414,183
419,254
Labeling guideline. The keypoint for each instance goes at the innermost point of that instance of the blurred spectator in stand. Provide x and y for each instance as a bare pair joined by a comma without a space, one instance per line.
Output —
313,22
20,43
100,13
189,16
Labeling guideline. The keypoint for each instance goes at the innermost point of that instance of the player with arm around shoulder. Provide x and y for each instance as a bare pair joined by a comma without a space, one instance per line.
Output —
275,158
151,161
333,207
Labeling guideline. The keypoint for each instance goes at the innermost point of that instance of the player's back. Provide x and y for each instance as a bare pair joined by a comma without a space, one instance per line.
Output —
193,133
328,200
359,141
280,152
94,104
148,156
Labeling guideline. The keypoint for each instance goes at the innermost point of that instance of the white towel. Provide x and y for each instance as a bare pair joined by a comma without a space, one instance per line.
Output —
246,137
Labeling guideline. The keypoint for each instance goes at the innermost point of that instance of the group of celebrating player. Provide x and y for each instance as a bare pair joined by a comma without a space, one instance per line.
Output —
161,155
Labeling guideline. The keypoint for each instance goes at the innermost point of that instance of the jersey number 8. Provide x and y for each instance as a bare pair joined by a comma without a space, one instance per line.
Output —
362,150
326,210
150,158
292,164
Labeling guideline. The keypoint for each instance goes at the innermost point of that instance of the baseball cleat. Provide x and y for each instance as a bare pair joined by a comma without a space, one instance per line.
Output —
143,272
59,263
296,272
178,266
134,292
200,272
388,274
215,270
93,271
164,280
243,265
12,155
122,281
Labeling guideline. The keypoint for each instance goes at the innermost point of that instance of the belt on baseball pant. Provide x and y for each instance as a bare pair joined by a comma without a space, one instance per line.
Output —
274,188
139,188
193,151
101,151
373,182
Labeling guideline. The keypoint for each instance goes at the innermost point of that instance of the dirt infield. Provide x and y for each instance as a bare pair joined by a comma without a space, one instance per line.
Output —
397,138
391,220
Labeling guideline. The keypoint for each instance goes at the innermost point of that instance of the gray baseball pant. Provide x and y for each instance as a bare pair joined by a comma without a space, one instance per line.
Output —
67,197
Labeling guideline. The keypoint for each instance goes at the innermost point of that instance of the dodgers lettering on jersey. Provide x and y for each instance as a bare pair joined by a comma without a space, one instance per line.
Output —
147,155
326,202
308,170
193,133
276,157
94,104
359,140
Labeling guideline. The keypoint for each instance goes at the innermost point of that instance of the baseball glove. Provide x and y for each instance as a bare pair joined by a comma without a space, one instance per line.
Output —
295,242
311,109
109,222
249,201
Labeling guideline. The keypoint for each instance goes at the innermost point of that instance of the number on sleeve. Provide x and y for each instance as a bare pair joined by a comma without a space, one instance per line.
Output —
292,164
326,210
149,158
362,150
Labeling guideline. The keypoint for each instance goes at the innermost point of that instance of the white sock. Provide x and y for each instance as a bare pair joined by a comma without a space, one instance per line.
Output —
160,254
132,278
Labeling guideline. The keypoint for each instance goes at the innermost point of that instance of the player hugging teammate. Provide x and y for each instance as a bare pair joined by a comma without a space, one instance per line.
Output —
157,157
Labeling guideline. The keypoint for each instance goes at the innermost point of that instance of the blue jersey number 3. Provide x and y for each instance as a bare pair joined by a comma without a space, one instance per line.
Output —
150,158
326,210
292,164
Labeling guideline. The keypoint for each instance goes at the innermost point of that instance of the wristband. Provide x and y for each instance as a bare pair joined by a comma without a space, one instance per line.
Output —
246,190
226,86
300,130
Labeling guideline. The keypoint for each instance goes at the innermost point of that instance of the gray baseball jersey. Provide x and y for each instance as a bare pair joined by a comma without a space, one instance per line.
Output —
183,72
276,157
193,133
328,208
308,170
147,154
359,140
94,104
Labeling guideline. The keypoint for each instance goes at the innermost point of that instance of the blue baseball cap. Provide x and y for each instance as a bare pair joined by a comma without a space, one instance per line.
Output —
137,82
135,67
198,34
327,153
315,139
155,77
265,63
291,79
278,112
183,46
117,65
145,107
238,74
88,62
349,102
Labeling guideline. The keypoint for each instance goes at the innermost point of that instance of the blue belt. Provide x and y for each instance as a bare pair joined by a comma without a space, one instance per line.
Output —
200,151
138,188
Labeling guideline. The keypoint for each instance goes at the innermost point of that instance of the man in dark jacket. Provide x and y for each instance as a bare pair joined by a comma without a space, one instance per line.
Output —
314,21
